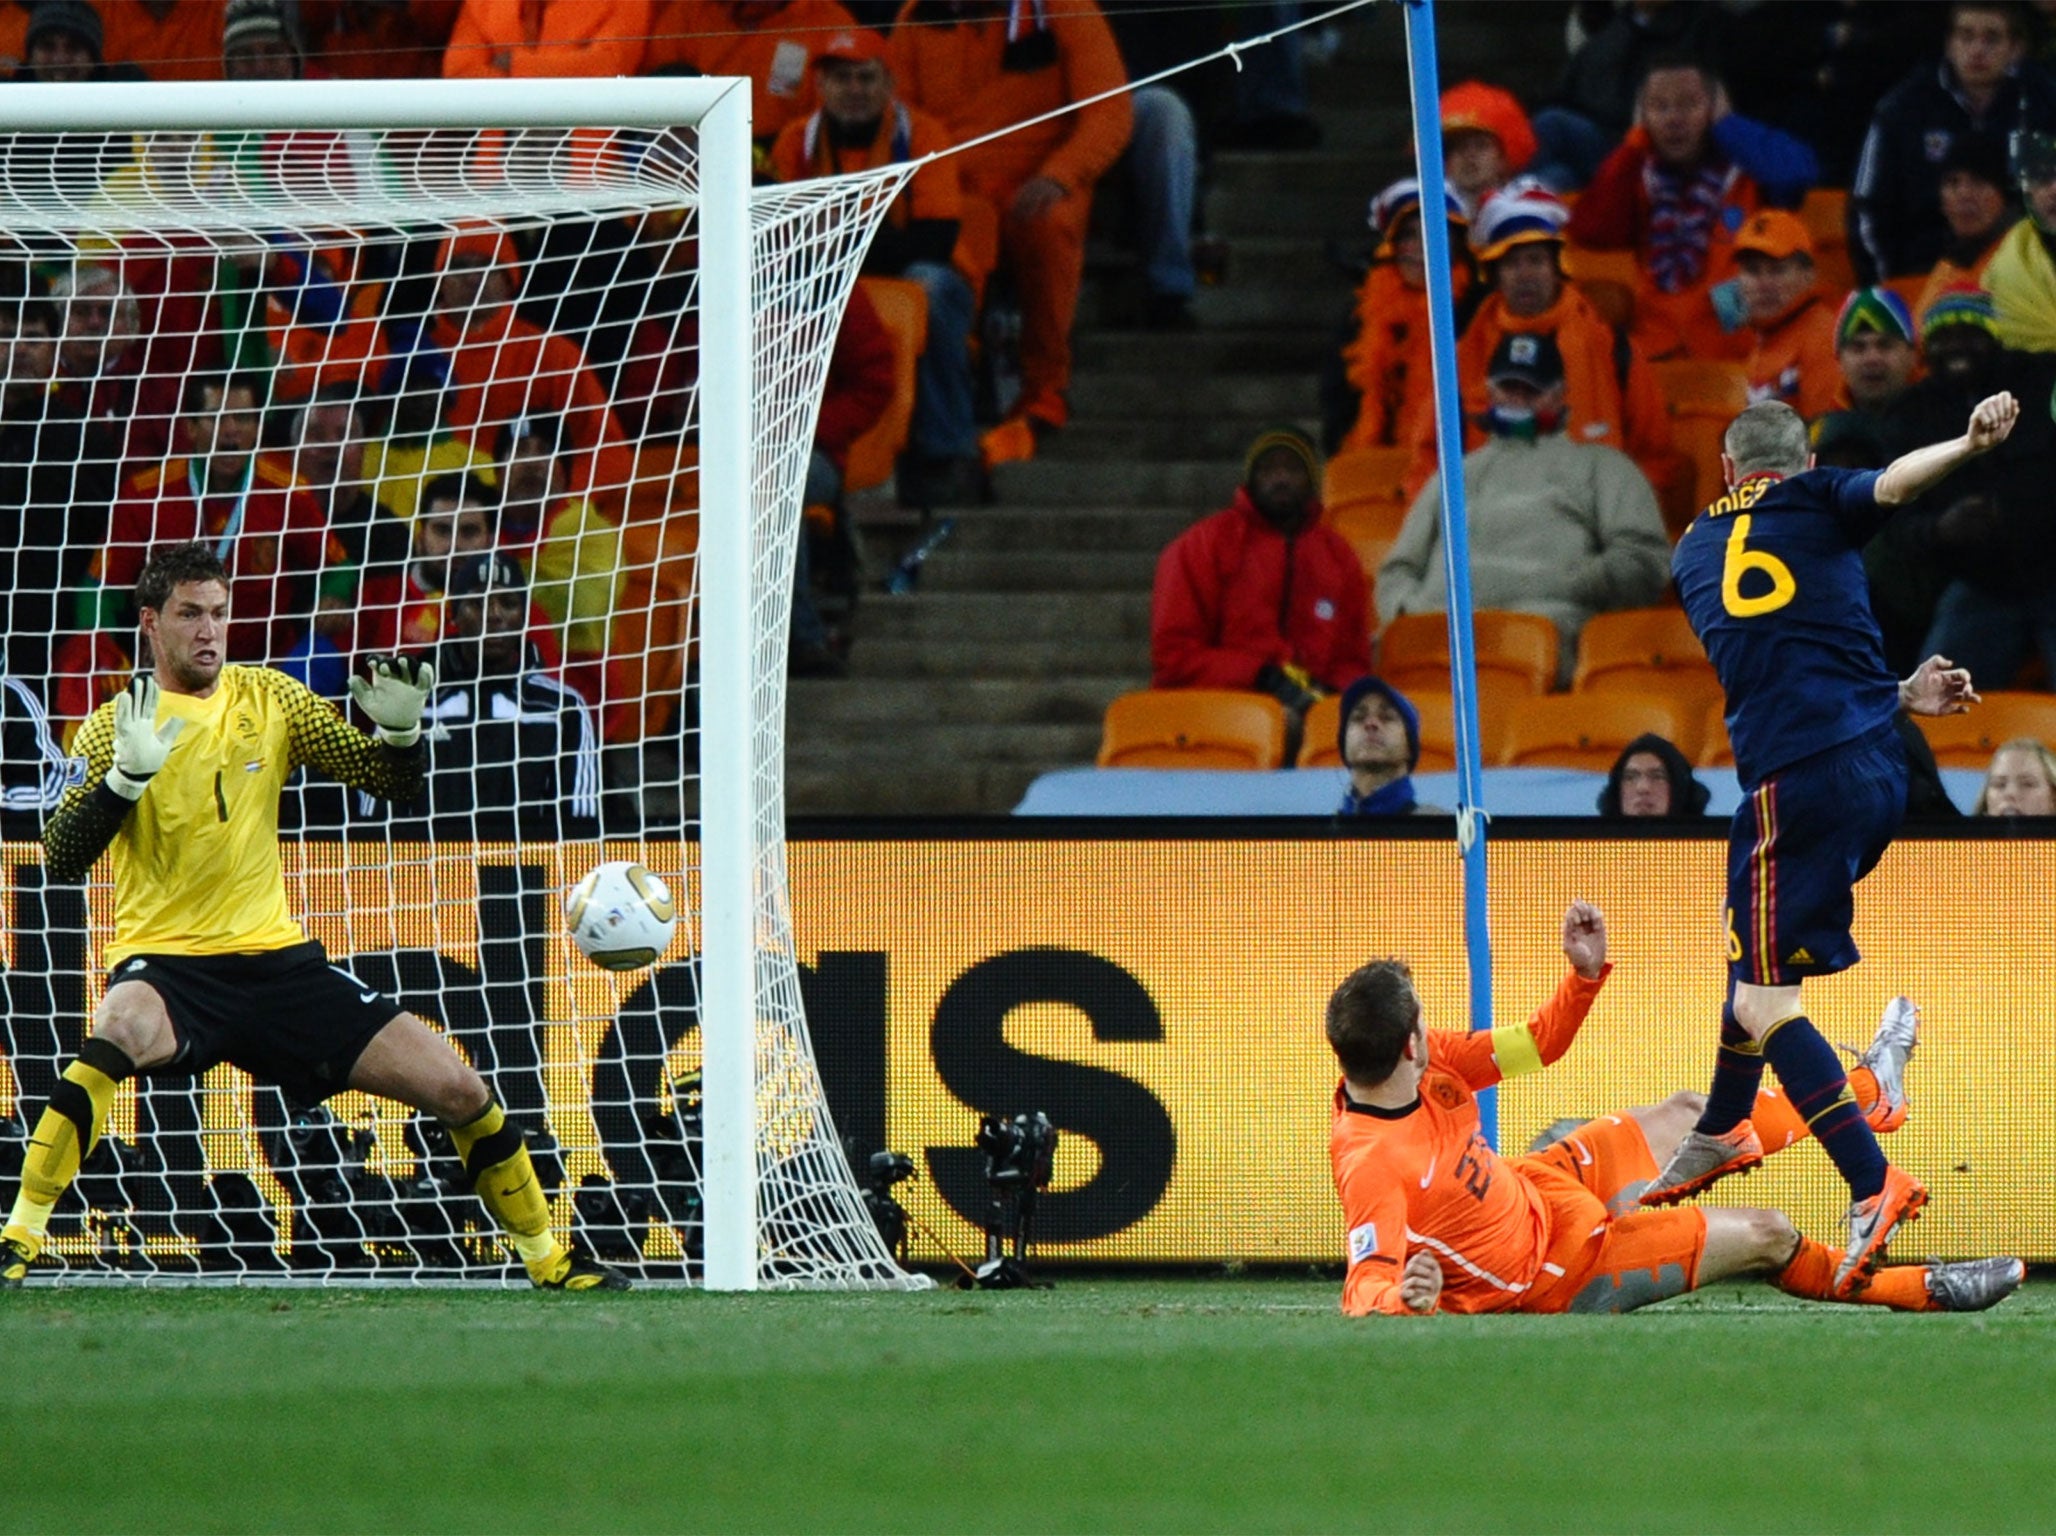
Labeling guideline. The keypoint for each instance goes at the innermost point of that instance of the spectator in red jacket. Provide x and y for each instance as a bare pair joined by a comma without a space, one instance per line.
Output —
1263,595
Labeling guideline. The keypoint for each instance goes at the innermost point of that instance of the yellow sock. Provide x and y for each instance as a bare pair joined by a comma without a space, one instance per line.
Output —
497,1159
65,1136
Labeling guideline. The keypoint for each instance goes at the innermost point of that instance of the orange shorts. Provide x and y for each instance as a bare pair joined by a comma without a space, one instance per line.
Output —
1599,1261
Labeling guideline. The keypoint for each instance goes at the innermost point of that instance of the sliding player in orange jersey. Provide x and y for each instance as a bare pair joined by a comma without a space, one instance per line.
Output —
1438,1221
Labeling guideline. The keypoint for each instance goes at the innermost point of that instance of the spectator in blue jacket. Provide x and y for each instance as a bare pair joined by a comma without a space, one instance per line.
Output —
1380,742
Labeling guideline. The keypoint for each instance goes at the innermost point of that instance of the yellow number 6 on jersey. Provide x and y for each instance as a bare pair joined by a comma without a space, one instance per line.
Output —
1738,561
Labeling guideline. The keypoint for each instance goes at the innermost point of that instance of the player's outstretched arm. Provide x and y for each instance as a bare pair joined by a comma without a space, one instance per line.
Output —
1911,474
392,764
1938,687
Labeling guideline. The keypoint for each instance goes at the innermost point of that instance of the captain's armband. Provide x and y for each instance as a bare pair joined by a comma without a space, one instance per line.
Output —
1514,1048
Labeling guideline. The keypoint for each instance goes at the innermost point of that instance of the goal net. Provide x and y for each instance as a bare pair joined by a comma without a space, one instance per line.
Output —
457,370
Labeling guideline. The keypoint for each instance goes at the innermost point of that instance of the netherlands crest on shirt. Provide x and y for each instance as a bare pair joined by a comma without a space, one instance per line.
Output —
1363,1242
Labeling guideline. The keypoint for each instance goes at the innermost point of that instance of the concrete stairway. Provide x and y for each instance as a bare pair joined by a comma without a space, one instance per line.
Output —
1036,613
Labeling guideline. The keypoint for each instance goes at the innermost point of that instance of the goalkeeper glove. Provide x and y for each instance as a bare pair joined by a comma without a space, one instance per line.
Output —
394,696
140,744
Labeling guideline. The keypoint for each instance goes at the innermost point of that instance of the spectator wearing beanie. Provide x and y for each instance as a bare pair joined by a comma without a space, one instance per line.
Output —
260,41
1651,778
1379,738
1793,358
1263,595
1876,352
1486,140
66,43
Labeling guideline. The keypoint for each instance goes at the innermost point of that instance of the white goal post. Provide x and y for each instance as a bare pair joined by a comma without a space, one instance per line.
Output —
368,168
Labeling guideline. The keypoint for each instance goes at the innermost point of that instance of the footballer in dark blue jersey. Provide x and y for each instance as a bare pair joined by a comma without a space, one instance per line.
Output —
1771,576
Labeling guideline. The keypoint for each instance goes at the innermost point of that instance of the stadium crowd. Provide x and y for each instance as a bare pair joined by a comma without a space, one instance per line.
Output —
1677,230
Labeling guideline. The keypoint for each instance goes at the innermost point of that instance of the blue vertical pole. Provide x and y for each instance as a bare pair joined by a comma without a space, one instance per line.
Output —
1456,546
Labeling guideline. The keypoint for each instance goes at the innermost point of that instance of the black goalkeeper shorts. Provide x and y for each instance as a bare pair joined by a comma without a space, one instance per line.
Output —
285,1016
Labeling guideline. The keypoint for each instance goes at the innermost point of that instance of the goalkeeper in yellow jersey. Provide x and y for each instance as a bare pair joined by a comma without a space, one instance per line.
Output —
183,773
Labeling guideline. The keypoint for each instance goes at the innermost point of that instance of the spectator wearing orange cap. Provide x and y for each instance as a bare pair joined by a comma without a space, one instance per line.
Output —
1675,192
502,368
1610,393
981,68
859,126
1387,361
772,42
522,40
1792,321
1486,140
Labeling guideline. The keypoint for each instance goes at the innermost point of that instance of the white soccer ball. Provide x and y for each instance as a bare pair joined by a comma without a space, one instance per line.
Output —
621,916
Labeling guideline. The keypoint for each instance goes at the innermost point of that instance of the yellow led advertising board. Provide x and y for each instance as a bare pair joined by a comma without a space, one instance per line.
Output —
1160,997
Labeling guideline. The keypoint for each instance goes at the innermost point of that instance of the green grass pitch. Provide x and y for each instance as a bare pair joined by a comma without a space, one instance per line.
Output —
1103,1405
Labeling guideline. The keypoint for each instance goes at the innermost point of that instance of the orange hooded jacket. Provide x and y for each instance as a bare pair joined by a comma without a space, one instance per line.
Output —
503,368
1610,392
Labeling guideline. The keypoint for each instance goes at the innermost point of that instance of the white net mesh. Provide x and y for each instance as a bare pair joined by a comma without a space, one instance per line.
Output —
434,391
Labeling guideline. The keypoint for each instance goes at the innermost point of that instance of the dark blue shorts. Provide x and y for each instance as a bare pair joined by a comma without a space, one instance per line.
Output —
1799,843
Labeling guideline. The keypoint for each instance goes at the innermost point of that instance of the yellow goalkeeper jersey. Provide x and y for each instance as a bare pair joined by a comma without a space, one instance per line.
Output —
196,862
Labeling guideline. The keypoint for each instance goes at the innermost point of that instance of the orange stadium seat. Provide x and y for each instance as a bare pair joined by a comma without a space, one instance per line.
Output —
1703,396
1364,496
1715,750
903,310
1968,741
1193,728
1825,213
1516,654
1317,747
1587,266
1588,730
1645,650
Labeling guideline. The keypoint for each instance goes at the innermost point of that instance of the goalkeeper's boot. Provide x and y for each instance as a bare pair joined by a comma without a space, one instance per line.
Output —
1974,1284
16,1255
1700,1160
572,1270
1871,1225
1886,1060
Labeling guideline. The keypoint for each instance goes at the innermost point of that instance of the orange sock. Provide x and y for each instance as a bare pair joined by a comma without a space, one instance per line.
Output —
1811,1276
1779,1125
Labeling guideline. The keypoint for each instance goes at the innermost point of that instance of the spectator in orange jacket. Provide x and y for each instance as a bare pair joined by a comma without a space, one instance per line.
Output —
773,42
1610,390
1793,323
1263,595
166,39
981,67
860,126
1387,361
1674,192
524,39
502,368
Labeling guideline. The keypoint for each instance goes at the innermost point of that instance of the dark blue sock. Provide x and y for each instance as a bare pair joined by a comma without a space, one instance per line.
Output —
1737,1072
1818,1088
